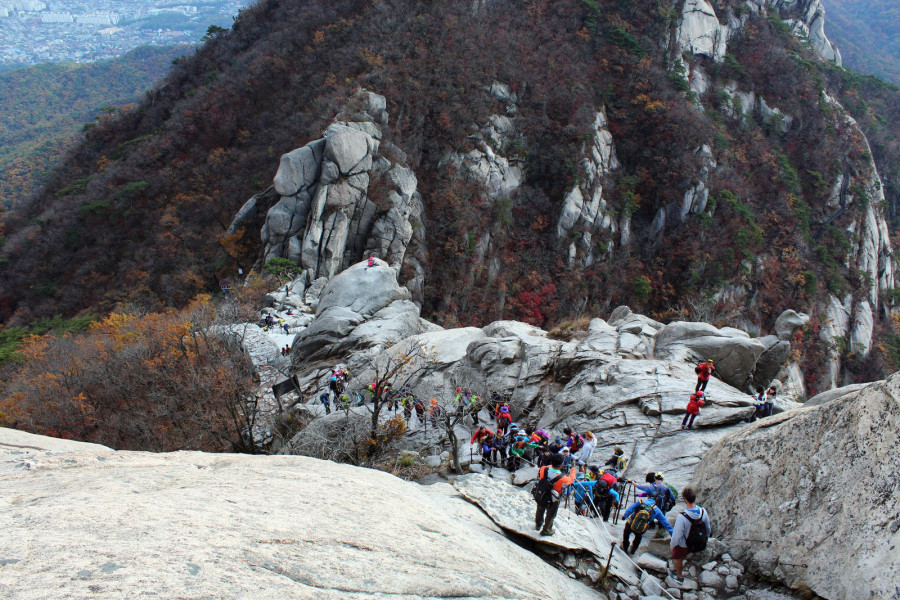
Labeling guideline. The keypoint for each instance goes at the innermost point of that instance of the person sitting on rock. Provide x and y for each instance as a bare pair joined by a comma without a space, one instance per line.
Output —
693,409
618,461
548,503
638,518
769,404
759,403
704,371
686,536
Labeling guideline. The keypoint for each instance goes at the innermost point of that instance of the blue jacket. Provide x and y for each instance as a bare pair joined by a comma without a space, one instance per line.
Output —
655,516
582,487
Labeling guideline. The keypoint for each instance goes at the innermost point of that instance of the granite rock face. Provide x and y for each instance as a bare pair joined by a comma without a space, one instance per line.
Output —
793,482
326,218
85,522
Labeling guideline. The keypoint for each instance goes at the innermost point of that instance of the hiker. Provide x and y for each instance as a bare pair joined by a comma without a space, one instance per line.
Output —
583,490
769,404
286,328
517,452
475,408
504,419
693,409
691,533
587,449
656,488
573,441
568,461
406,402
370,262
419,407
435,412
480,434
606,496
704,371
618,461
593,473
547,493
638,518
759,403
498,448
325,400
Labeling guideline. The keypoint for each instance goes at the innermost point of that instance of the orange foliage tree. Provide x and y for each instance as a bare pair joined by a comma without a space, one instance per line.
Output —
160,381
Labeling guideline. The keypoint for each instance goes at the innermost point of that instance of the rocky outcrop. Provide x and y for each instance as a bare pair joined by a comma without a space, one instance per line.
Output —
326,217
626,379
86,522
584,212
700,31
787,494
363,308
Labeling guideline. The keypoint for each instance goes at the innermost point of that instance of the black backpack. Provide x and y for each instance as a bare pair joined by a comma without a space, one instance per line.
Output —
698,534
663,497
543,489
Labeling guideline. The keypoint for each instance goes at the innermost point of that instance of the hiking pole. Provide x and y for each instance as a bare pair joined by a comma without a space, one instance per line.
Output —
612,548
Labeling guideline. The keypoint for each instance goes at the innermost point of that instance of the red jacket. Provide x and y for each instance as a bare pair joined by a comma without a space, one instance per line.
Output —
705,370
563,481
609,479
693,407
482,431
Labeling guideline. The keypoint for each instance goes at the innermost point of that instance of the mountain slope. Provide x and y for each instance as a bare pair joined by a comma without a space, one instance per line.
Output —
868,34
738,188
43,106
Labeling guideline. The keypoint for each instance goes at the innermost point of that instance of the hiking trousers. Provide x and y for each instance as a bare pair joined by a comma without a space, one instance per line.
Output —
701,385
688,421
626,535
604,505
545,515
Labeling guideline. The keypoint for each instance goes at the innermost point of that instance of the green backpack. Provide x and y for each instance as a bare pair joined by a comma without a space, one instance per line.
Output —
640,520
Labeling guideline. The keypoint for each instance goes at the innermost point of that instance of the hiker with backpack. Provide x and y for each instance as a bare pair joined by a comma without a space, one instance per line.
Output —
704,371
618,461
504,419
690,534
606,496
759,403
692,410
582,490
547,493
664,495
638,518
325,401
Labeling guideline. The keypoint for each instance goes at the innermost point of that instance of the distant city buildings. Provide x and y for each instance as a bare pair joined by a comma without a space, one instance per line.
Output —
33,31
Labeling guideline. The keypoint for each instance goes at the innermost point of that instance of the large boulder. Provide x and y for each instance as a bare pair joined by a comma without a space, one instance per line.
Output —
788,322
792,492
733,351
85,522
363,307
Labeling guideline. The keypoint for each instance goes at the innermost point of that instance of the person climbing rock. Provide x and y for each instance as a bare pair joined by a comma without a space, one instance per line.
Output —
325,401
638,518
606,496
547,493
419,406
690,533
504,419
582,491
693,409
759,403
370,262
704,371
618,461
587,449
656,488
568,461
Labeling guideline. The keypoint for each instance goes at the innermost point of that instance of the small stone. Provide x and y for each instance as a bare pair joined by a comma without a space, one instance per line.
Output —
731,582
620,587
727,557
710,566
711,579
593,575
674,592
569,560
692,571
736,571
689,596
650,585
688,584
723,570
652,563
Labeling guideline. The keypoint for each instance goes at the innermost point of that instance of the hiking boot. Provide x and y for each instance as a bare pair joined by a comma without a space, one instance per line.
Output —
537,526
674,577
546,531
